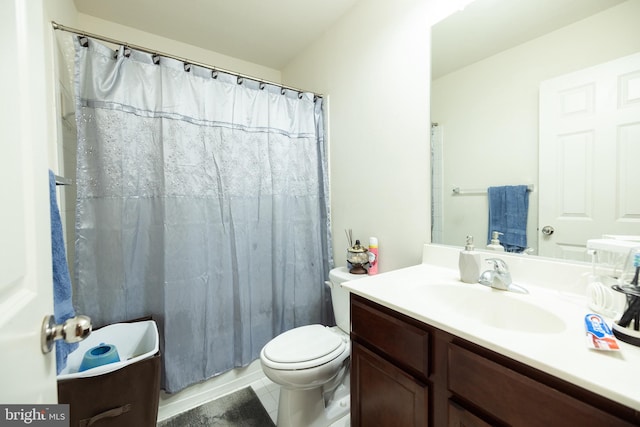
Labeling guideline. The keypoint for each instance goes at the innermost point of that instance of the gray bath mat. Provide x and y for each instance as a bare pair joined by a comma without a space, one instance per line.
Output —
239,409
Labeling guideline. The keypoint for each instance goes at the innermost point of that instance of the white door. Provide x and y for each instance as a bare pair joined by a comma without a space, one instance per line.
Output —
27,375
589,157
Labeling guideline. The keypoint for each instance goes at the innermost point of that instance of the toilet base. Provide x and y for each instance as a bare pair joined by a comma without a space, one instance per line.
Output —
307,408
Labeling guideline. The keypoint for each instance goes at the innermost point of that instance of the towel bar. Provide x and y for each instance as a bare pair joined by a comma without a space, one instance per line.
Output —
61,180
459,192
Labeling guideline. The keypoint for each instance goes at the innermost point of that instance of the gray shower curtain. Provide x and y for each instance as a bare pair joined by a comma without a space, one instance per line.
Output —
202,201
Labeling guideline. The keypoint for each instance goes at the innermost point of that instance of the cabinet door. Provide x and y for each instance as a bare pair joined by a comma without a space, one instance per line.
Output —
384,395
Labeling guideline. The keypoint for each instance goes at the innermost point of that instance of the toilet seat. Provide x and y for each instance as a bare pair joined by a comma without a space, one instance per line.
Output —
303,348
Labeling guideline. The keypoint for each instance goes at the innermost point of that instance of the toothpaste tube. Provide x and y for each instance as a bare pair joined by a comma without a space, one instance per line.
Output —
599,335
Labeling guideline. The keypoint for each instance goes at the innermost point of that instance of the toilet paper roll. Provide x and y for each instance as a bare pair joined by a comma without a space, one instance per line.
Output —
102,354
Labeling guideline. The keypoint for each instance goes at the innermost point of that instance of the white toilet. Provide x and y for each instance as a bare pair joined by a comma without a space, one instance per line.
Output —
311,365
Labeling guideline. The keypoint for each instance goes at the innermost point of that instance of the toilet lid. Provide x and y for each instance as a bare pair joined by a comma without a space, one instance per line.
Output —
304,344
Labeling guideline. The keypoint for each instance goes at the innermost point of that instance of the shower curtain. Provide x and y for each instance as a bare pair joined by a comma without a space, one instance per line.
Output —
202,200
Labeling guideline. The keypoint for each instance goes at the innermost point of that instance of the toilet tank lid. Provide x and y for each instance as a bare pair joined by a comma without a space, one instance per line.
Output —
340,275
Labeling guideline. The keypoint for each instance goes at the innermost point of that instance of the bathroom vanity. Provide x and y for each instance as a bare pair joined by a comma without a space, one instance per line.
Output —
430,351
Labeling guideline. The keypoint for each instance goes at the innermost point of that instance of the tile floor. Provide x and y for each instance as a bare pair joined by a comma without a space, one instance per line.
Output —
268,393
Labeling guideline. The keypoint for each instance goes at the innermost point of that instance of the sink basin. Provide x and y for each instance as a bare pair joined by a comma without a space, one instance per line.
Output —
493,308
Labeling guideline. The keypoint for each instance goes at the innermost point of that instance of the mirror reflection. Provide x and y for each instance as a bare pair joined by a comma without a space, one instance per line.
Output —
488,66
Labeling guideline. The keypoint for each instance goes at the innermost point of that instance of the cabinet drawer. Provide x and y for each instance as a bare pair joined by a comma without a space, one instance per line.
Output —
517,399
391,333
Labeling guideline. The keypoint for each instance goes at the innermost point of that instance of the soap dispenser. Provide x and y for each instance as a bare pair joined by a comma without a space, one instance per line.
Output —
495,242
469,263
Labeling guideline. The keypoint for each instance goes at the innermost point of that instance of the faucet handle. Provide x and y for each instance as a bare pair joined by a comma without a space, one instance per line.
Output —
500,277
498,265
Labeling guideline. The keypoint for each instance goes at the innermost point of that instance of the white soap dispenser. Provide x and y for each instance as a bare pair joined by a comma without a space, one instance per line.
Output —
469,263
495,242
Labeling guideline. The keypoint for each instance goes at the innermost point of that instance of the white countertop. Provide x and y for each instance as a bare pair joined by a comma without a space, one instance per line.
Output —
562,353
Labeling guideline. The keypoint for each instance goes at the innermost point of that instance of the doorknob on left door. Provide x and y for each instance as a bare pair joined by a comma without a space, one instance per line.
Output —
72,330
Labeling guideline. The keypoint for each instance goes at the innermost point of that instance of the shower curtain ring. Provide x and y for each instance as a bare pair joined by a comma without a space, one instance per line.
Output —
187,67
214,74
282,91
261,86
240,80
155,58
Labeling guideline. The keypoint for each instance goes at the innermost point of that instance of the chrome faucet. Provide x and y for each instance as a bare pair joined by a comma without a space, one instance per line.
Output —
500,277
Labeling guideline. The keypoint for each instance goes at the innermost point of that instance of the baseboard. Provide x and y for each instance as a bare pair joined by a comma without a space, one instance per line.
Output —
197,394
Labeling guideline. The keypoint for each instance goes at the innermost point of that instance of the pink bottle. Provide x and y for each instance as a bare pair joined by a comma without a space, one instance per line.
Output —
373,256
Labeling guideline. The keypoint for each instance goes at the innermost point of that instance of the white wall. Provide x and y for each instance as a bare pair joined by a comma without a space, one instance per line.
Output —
489,113
374,65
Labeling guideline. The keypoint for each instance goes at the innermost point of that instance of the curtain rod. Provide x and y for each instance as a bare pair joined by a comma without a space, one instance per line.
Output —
60,27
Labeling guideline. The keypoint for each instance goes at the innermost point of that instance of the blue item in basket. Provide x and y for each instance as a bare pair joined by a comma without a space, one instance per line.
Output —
102,354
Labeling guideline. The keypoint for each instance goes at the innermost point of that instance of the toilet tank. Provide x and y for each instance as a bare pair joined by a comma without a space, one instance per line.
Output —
340,295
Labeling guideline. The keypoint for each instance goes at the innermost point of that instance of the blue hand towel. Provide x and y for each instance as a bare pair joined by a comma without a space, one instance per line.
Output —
62,305
508,210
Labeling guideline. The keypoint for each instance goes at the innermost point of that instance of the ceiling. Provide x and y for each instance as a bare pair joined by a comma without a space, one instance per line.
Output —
486,27
269,33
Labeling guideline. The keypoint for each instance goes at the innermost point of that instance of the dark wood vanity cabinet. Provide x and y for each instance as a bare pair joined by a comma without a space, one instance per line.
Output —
407,373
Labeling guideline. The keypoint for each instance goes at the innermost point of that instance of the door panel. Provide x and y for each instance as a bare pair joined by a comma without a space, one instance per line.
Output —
28,375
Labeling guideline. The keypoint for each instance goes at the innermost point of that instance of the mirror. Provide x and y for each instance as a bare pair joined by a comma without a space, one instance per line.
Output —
488,61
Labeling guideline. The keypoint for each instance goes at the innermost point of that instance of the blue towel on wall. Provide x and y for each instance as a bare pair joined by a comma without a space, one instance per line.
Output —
62,305
508,210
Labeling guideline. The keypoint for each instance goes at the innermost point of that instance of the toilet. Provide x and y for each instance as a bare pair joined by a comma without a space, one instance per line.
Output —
311,365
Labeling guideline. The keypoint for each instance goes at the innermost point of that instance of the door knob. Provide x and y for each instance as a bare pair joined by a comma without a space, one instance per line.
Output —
72,330
547,230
